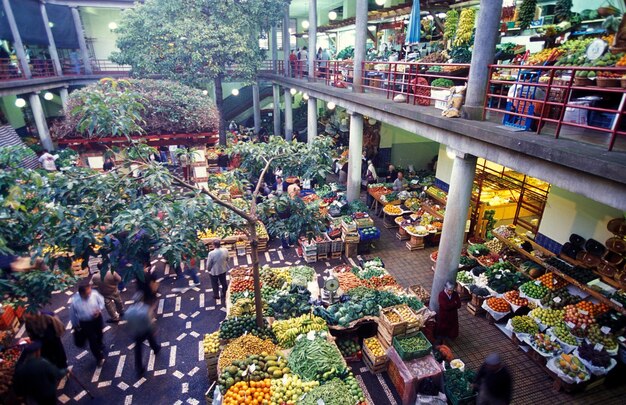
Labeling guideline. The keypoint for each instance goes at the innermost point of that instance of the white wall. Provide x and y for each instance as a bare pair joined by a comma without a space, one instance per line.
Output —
96,24
444,165
568,213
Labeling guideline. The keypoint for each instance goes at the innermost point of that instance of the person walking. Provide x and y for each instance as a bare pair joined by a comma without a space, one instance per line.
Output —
47,329
86,314
448,316
141,328
217,266
107,286
494,383
36,378
191,269
324,57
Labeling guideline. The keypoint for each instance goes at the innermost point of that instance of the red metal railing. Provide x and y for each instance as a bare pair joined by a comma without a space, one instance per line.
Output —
42,68
106,66
543,98
10,69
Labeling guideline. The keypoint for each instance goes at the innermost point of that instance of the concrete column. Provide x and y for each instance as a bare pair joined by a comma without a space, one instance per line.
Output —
274,37
276,94
63,93
354,158
52,48
286,43
348,9
459,195
487,33
288,115
40,121
256,107
80,33
312,119
17,40
360,43
312,39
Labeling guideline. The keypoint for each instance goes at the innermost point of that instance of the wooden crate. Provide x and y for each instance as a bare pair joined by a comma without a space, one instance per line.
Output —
375,368
415,243
384,339
336,255
474,310
392,328
322,256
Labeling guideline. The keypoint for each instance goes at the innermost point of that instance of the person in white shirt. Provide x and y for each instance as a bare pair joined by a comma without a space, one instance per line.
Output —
399,184
86,314
217,265
47,161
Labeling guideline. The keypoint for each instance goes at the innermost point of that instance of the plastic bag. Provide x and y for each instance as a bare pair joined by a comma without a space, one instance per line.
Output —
217,396
439,399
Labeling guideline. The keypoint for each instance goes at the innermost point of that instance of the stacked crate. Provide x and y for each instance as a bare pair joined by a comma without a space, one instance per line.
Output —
375,364
323,248
309,250
211,364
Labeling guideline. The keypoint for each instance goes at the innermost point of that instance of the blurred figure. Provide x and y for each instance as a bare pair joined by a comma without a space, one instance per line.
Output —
493,382
107,285
47,161
47,329
141,328
217,266
36,378
108,164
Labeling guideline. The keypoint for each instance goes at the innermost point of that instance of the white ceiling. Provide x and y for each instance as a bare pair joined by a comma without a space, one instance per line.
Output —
300,8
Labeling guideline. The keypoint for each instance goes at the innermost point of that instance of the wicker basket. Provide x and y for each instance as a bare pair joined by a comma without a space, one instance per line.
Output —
623,83
607,82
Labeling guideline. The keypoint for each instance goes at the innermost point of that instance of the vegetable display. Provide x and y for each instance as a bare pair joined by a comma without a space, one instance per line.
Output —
459,383
289,389
559,299
243,347
289,329
316,359
291,304
526,13
478,250
466,27
334,392
452,20
234,327
348,347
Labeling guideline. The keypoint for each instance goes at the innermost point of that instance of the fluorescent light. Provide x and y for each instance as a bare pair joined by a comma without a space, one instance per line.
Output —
235,92
332,15
112,25
50,24
293,92
380,2
371,27
305,24
48,96
305,96
331,105
450,153
205,92
20,102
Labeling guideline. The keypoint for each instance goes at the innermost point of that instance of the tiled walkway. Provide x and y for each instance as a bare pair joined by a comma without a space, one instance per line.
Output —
178,374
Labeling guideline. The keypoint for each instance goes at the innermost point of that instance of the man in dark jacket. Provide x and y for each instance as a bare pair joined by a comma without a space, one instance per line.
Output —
36,378
493,382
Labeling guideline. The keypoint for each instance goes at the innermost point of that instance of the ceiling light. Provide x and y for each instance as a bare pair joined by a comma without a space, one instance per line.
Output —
305,96
205,92
290,31
235,92
20,102
450,153
305,24
380,2
331,105
332,15
441,15
50,24
48,96
293,92
371,27
112,25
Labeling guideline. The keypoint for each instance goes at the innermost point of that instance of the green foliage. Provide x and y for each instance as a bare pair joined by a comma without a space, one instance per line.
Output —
303,219
461,54
563,10
526,13
441,82
131,107
346,53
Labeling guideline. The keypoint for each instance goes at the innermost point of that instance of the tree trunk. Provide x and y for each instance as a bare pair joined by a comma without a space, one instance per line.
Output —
254,254
219,103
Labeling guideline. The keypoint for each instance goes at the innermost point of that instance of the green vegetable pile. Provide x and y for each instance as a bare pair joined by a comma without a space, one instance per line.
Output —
559,299
464,277
234,327
334,392
534,290
267,293
344,313
412,344
478,250
291,304
348,347
368,272
316,359
355,389
301,275
459,383
467,261
502,277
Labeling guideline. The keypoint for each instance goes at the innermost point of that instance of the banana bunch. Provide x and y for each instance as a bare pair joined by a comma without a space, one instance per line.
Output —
466,27
211,343
288,330
244,306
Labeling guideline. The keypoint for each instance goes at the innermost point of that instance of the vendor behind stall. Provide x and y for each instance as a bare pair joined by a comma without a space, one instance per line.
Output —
399,183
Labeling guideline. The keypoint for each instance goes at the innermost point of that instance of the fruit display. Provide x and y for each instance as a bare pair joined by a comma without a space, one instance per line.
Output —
378,282
289,389
514,299
392,210
498,304
524,324
416,230
245,307
533,289
547,316
292,303
558,299
465,29
240,271
563,333
248,392
467,261
231,328
314,358
211,343
595,335
576,317
348,347
597,358
574,52
8,359
464,277
289,329
494,245
275,278
241,284
334,392
612,320
545,344
355,389
242,347
552,282
543,56
452,20
572,367
373,345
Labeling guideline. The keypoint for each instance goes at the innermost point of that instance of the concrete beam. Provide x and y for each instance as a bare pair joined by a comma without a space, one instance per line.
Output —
581,168
45,83
96,3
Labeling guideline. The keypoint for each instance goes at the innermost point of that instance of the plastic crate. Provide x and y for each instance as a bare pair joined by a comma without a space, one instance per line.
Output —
460,401
324,246
411,355
365,237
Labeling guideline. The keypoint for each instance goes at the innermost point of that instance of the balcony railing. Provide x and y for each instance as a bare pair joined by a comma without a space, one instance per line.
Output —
549,100
11,70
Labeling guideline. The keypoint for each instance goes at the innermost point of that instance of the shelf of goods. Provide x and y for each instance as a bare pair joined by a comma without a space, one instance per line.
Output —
230,239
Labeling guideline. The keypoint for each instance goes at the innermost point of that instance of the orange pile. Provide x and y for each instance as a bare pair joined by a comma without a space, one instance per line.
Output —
593,309
498,304
514,298
552,282
241,284
254,393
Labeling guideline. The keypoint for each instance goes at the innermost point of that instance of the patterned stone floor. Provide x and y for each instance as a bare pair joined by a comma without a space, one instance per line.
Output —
177,375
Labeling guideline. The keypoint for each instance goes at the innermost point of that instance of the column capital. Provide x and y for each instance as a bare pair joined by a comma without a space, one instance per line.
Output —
459,154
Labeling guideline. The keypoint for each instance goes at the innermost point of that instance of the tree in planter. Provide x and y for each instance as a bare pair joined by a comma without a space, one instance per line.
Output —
197,41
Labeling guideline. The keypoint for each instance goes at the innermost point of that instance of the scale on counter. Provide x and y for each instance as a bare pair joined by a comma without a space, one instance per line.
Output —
331,285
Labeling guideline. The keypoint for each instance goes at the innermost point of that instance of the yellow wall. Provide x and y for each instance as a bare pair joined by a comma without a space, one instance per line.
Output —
13,114
444,165
96,25
568,213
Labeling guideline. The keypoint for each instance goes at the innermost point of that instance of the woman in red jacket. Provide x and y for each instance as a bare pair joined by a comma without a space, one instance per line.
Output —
448,317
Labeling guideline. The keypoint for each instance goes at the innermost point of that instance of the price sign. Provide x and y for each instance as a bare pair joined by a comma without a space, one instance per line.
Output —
605,329
555,281
246,293
556,299
537,282
598,347
617,302
621,339
583,326
311,335
570,325
583,312
320,402
498,276
500,260
252,367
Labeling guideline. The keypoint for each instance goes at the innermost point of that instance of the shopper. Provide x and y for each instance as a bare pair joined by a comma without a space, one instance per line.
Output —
36,378
108,164
280,187
323,57
448,317
293,61
493,382
47,161
370,174
47,329
294,189
163,154
141,328
343,174
107,285
222,161
217,266
86,314
191,269
399,183
392,174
